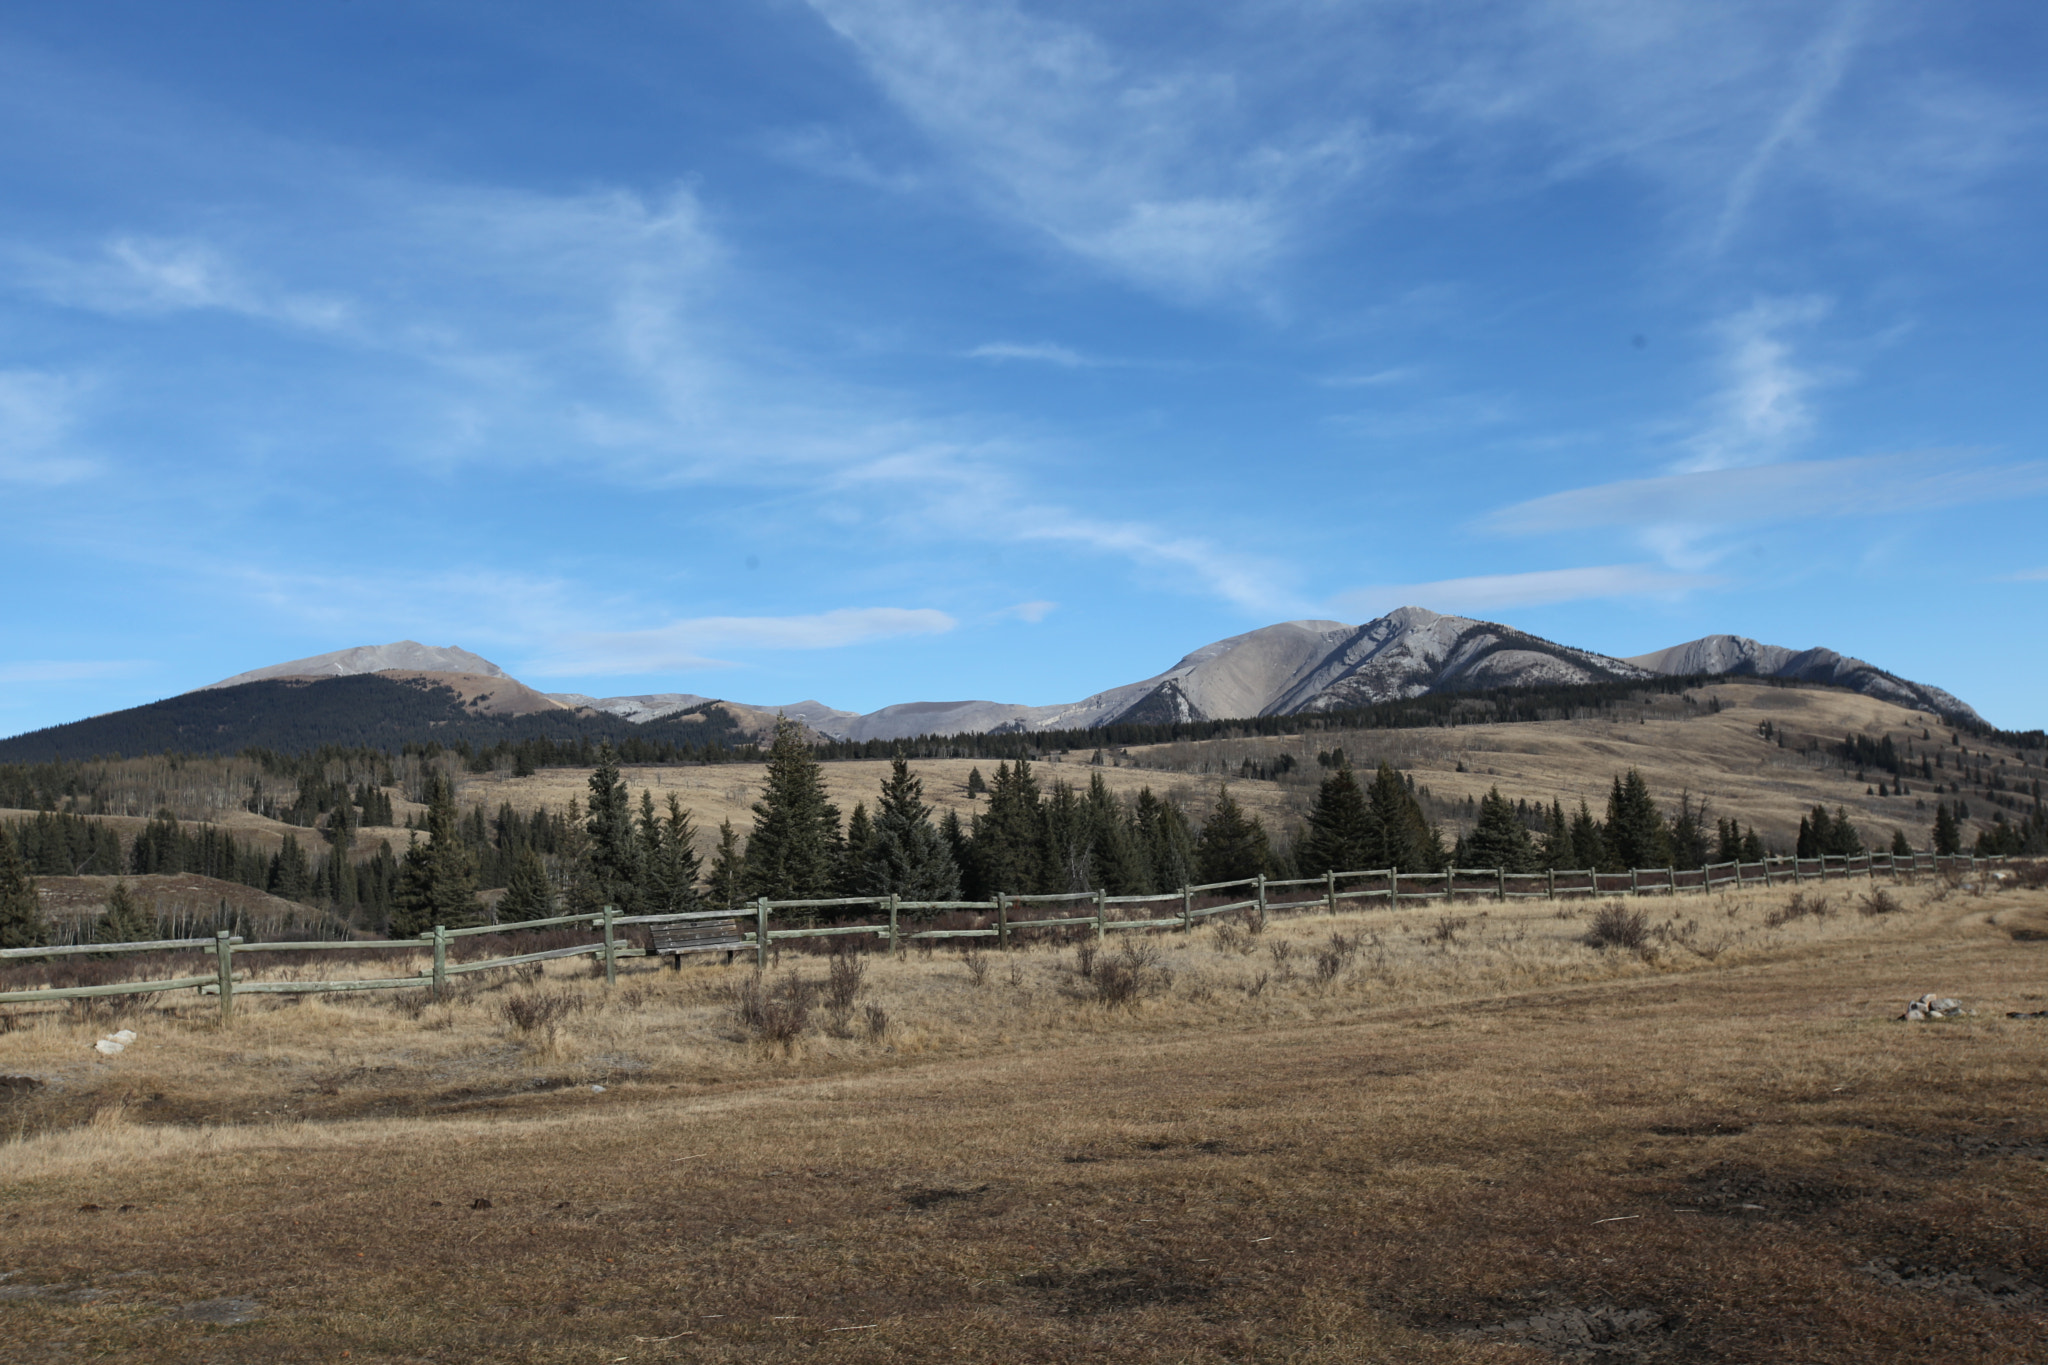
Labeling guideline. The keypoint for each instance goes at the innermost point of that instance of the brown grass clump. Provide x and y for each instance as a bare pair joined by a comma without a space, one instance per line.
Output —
1616,925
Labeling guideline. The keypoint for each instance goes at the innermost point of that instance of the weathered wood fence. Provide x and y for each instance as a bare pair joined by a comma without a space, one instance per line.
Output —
1010,916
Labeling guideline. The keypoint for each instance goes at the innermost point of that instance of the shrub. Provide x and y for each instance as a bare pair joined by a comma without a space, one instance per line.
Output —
1618,926
778,1015
845,981
1447,927
1879,901
1131,975
540,1009
878,1022
1798,907
976,962
1084,959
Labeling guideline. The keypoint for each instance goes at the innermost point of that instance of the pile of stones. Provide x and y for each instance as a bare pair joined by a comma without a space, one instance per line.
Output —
1932,1006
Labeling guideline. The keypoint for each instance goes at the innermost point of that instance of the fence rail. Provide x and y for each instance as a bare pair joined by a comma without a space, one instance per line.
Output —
1388,884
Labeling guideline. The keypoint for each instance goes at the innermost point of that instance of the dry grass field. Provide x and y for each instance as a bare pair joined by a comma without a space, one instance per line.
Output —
1439,1135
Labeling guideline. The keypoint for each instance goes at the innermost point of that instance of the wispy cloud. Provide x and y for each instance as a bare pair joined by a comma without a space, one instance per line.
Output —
68,670
1824,64
1543,587
2028,576
1158,175
1043,351
38,411
159,275
1791,491
1373,379
1761,412
1034,612
678,645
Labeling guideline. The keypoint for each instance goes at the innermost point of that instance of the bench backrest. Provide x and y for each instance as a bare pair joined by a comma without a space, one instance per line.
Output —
692,936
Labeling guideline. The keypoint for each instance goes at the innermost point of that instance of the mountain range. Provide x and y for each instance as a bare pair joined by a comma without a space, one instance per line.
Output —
1292,668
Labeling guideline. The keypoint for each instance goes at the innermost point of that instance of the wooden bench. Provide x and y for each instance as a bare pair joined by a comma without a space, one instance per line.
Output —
697,936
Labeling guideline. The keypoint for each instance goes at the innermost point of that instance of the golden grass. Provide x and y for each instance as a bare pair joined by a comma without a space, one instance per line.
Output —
1454,1139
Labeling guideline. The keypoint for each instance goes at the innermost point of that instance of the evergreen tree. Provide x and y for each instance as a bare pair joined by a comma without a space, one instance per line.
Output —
976,785
1118,866
794,851
1232,845
1400,836
908,855
1557,838
958,842
1009,837
1843,840
1339,836
616,852
341,838
1727,841
1687,837
1900,848
728,869
1948,837
22,924
123,921
1164,840
1499,839
291,878
1636,836
860,833
1066,853
1589,841
527,892
437,880
673,865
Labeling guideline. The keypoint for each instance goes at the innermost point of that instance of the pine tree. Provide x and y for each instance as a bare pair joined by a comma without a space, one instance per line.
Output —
437,880
616,853
1499,839
1339,836
976,785
728,869
1164,840
1635,832
860,833
794,851
1232,845
22,924
1843,840
290,875
673,866
1556,851
1900,848
527,892
123,921
1948,837
1687,838
907,854
1009,837
1116,862
1589,841
1752,847
1066,849
1400,836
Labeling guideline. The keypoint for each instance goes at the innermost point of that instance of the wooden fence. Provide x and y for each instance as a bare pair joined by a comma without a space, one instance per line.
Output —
1010,915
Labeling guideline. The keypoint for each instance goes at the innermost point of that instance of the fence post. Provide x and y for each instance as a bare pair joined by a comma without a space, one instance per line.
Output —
224,971
1002,921
440,960
1187,911
761,934
1450,886
1393,888
1635,887
1330,889
1767,871
1671,879
611,951
895,943
1102,912
1550,883
1262,900
1501,874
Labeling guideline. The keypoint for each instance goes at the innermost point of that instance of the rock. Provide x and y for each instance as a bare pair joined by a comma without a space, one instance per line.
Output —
108,1047
123,1036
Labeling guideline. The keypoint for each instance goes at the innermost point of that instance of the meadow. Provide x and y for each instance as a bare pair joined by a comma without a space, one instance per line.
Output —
1442,1134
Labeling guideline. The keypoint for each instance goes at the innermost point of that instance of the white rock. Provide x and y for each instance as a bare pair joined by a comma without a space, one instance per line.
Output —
108,1047
124,1036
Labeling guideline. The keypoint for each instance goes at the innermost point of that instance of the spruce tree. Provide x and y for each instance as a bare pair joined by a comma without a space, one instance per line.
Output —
673,866
528,894
1556,851
1636,836
1499,839
1116,862
794,851
860,832
1589,841
976,785
1688,834
1339,836
1164,839
1752,847
728,869
908,855
1900,848
615,856
1948,837
123,921
1400,835
437,880
1843,840
22,924
1232,845
1009,837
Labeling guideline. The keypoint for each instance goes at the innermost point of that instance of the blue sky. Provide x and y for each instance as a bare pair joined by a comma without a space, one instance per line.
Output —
880,351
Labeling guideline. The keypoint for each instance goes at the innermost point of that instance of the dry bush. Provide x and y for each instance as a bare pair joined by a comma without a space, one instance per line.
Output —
1447,927
1134,973
540,1009
846,978
1616,925
1799,907
878,1022
776,1015
1879,901
1229,938
1084,959
1280,950
976,962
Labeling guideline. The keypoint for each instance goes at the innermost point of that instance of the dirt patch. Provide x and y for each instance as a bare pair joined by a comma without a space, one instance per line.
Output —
220,1312
1605,1334
1981,1286
1751,1191
932,1198
1108,1288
